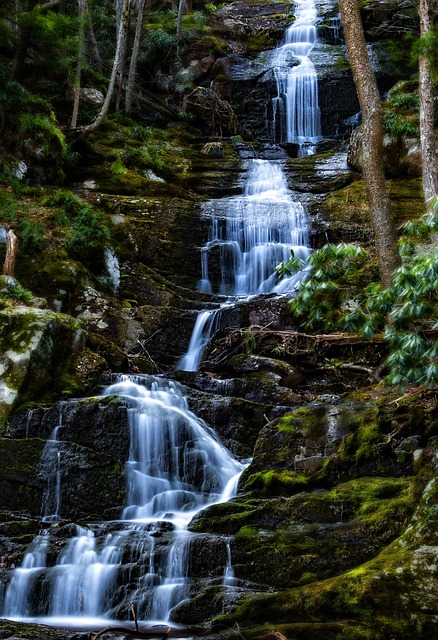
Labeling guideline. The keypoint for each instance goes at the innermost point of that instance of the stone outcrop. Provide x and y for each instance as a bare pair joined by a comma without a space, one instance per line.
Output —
401,155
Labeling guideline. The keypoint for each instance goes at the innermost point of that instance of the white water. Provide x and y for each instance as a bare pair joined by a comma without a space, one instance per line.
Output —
176,468
50,466
296,114
113,269
201,334
249,236
229,578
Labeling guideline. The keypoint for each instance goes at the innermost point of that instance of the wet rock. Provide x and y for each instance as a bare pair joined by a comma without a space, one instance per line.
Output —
20,487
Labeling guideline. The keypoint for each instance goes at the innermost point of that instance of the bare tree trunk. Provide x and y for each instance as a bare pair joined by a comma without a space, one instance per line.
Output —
181,7
134,57
126,20
77,85
373,173
91,40
11,254
427,134
109,94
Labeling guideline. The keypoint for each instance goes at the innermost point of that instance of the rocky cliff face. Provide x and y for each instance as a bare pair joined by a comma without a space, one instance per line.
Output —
336,514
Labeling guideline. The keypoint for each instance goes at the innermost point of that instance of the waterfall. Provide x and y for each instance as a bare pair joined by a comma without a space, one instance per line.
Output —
113,269
176,467
50,470
254,232
205,322
296,115
249,236
229,579
17,600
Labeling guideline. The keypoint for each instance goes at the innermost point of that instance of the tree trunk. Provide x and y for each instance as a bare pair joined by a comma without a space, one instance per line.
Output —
373,174
134,57
427,134
181,7
126,21
77,85
92,42
117,58
11,254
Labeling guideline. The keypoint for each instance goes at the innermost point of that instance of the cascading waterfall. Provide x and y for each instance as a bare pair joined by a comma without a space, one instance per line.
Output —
249,236
113,269
50,466
229,579
176,468
253,233
296,115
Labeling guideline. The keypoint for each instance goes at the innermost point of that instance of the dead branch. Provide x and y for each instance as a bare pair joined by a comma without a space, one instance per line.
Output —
130,633
271,634
11,254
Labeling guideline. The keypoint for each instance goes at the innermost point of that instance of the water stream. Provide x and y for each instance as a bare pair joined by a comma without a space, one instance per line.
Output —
176,468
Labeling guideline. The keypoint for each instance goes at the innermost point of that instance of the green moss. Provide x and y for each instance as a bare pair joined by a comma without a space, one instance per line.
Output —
276,482
310,422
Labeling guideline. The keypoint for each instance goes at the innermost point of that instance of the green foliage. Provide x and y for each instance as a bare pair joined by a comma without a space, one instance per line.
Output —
405,101
397,125
86,227
17,292
32,235
32,133
211,8
336,285
338,297
118,168
427,46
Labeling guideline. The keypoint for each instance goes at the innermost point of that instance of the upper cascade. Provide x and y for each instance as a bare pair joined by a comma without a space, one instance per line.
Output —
296,114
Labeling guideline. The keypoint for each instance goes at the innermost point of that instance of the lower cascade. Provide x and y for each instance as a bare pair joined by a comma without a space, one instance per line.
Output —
176,468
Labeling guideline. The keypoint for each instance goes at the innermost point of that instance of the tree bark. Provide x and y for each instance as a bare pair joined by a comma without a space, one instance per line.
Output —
373,173
92,42
109,94
427,134
134,57
77,85
126,22
11,254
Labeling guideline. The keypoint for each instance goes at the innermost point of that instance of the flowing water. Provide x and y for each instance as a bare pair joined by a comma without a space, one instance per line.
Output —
176,468
249,236
50,471
296,114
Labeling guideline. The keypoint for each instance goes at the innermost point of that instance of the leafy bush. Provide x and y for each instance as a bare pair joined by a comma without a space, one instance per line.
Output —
32,235
336,285
405,101
398,125
343,293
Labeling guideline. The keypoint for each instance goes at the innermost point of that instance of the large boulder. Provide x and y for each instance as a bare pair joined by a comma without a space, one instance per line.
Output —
401,155
34,347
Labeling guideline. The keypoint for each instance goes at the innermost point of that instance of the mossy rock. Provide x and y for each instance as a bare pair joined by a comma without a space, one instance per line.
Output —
35,343
347,211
